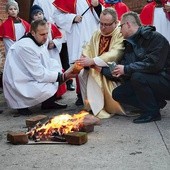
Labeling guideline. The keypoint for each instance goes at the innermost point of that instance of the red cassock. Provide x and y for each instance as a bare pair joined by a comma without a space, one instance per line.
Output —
7,29
120,8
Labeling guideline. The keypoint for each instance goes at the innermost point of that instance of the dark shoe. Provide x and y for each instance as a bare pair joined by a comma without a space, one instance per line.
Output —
79,101
70,87
147,118
1,111
162,104
24,111
53,105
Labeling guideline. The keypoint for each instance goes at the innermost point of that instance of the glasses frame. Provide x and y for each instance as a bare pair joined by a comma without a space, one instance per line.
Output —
121,25
106,24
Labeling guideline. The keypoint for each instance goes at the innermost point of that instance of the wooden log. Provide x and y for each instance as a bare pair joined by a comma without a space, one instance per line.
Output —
17,138
76,138
31,122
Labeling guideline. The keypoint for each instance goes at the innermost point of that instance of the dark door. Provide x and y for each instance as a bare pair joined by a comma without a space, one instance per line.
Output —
24,9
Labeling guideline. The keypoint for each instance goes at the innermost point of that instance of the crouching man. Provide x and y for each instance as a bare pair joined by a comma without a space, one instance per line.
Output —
30,76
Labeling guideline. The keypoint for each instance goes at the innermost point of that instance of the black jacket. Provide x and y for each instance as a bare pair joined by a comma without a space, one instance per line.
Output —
147,51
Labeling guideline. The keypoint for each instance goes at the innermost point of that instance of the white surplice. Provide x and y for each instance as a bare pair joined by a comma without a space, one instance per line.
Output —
30,75
161,23
78,34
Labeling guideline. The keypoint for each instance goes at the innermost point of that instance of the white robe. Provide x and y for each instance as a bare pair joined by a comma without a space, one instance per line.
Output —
78,34
161,23
30,75
48,8
54,53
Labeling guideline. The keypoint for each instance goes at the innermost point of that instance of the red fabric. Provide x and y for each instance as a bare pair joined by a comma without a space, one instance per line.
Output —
120,8
62,89
69,6
147,14
55,32
7,29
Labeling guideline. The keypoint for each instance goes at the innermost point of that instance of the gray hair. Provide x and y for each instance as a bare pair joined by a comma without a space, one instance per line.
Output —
110,11
12,3
131,17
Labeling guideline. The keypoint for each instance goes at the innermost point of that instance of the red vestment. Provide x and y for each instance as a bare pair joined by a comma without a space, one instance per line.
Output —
69,6
120,8
7,29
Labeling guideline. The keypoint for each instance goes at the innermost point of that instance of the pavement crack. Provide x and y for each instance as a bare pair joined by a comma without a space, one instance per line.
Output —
162,138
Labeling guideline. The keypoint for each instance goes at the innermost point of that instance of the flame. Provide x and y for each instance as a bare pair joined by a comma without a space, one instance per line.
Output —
61,124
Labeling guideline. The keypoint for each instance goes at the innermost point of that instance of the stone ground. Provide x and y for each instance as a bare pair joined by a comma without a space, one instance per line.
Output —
116,144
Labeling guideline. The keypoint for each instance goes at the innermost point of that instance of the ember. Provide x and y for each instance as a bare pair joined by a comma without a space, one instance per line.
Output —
57,127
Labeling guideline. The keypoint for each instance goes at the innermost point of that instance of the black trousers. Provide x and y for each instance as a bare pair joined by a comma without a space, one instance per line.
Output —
144,91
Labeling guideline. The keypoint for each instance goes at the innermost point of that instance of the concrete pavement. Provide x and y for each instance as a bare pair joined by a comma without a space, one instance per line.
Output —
117,144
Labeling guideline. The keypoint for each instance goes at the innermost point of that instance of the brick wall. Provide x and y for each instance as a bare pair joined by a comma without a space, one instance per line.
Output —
3,16
135,5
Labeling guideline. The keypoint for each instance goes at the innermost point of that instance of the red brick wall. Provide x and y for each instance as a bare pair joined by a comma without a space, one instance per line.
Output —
135,5
3,16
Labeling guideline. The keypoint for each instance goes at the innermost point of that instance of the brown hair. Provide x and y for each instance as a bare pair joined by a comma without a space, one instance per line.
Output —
36,23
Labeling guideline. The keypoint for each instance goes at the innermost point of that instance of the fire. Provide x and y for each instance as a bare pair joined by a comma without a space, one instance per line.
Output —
60,125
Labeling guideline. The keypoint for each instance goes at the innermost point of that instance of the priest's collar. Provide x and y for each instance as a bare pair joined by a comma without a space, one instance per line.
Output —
29,35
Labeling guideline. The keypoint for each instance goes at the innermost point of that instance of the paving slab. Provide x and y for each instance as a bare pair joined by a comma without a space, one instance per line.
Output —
116,144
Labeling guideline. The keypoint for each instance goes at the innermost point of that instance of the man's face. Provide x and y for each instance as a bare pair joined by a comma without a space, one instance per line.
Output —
41,34
124,29
107,24
12,11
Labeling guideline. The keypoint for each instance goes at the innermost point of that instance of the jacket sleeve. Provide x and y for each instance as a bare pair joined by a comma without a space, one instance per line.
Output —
150,59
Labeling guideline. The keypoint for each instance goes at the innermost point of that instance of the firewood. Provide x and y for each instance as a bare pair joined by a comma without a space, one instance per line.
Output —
17,138
76,138
31,122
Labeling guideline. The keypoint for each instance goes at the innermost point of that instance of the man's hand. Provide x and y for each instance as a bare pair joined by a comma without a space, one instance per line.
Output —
77,19
118,71
51,45
167,8
85,61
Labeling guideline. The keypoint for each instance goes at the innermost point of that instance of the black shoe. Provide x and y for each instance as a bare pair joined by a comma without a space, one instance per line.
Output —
147,118
79,101
1,111
24,111
162,104
53,105
70,87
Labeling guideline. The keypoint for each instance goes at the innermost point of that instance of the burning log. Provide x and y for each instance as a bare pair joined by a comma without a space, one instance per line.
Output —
17,138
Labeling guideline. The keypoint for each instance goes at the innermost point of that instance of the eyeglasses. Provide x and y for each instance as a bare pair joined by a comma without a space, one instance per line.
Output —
106,24
121,25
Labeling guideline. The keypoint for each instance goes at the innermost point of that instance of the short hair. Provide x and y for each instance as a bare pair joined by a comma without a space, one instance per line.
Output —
12,3
131,17
110,11
36,23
